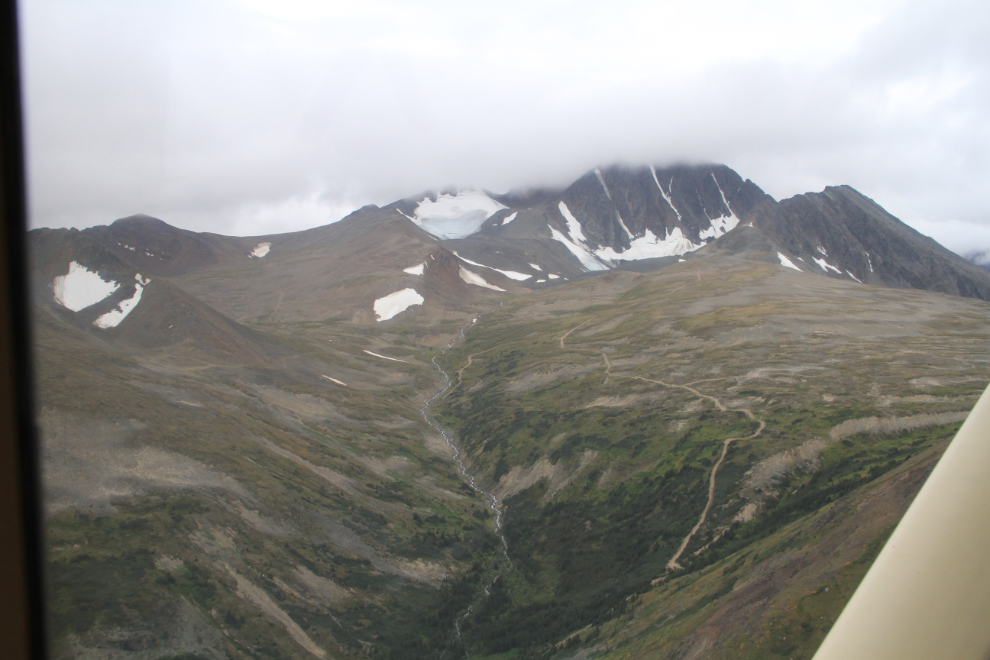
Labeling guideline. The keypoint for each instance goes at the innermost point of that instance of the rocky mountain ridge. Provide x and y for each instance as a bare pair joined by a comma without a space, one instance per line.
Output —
615,218
697,451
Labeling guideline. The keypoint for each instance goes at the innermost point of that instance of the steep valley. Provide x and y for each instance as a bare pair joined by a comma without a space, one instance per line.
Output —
600,429
699,456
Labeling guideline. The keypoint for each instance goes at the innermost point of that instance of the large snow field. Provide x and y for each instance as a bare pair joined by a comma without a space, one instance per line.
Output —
260,250
477,280
81,287
648,246
396,303
113,318
455,216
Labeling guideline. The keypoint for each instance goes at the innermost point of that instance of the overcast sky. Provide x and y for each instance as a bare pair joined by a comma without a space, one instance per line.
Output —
264,116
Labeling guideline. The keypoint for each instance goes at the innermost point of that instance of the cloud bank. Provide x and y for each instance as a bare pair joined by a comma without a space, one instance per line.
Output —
259,117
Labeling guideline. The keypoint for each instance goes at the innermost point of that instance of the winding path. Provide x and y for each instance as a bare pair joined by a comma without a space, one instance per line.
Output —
567,334
672,564
471,358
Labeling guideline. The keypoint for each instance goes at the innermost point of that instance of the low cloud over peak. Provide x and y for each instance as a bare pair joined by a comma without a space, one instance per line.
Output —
257,117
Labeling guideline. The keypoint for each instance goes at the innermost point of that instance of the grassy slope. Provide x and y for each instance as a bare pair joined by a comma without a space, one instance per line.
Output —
183,478
626,461
266,473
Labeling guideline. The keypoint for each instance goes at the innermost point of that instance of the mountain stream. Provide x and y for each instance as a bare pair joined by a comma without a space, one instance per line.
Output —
489,498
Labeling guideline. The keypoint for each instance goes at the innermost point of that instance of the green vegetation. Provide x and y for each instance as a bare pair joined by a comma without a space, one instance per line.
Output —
248,494
626,461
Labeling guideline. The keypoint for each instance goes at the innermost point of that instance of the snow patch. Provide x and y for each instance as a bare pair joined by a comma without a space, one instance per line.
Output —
649,246
787,263
577,243
260,250
540,281
81,287
722,224
588,260
822,251
869,261
535,267
113,318
666,196
601,180
553,276
719,227
854,277
509,218
385,357
623,225
455,216
334,380
477,280
826,265
396,303
511,274
724,200
573,226
415,270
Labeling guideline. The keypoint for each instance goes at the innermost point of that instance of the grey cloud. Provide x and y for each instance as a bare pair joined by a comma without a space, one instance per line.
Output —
224,120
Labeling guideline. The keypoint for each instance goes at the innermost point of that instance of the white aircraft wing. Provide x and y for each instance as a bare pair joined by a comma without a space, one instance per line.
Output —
927,596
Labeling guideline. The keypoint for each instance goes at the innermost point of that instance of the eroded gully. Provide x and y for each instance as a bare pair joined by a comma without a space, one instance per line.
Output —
489,498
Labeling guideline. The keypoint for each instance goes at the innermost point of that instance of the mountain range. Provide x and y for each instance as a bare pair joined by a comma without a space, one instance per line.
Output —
656,413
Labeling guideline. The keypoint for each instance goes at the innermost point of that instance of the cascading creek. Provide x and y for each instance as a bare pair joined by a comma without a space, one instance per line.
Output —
489,498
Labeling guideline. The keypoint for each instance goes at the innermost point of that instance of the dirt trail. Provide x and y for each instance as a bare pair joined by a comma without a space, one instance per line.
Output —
673,564
567,334
718,404
471,359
